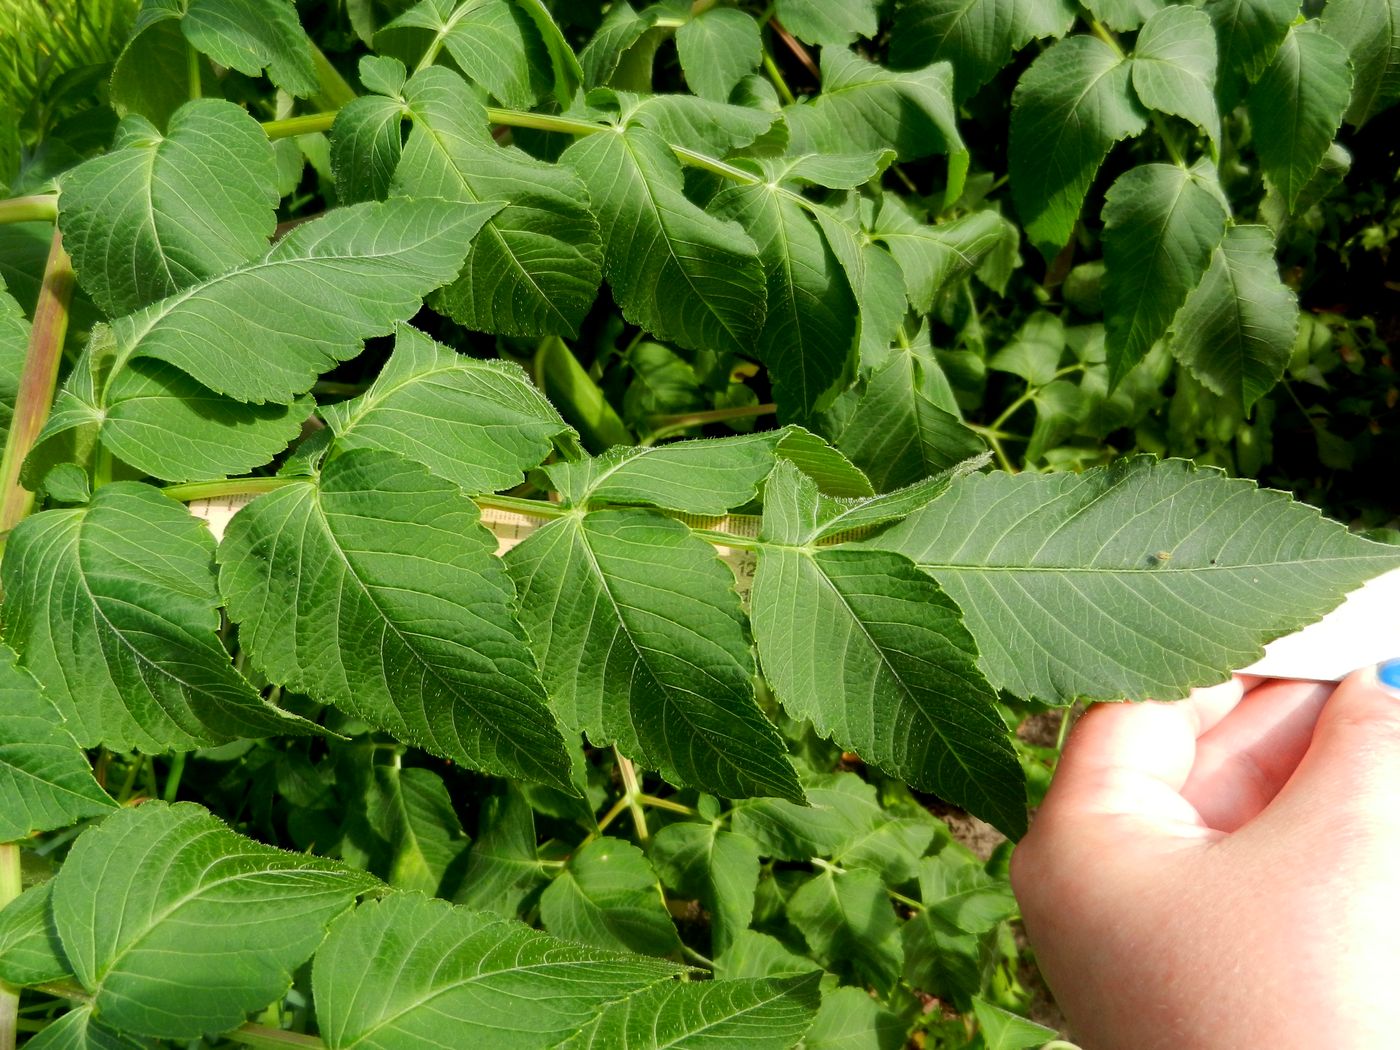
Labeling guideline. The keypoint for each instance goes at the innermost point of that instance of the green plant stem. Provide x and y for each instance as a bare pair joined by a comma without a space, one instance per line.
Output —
192,69
261,1035
1101,31
836,869
535,508
776,76
695,957
666,803
11,885
37,382
172,779
191,491
519,118
38,207
64,990
633,789
335,91
718,415
724,539
305,124
1168,140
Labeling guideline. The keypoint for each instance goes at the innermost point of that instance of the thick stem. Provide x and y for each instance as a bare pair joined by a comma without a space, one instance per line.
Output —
191,491
261,1035
334,91
306,124
519,118
11,886
37,381
633,795
40,207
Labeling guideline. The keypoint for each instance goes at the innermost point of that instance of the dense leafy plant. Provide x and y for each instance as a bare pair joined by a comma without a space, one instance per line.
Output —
455,586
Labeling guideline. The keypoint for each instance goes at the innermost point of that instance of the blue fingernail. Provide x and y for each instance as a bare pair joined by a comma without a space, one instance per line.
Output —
1388,673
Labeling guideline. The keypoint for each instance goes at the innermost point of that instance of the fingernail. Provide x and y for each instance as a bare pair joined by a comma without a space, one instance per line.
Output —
1388,674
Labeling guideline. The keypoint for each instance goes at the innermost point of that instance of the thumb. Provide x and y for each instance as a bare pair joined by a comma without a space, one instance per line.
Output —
1352,765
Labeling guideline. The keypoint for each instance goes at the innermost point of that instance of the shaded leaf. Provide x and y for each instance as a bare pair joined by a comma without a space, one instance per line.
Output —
1174,67
714,866
849,924
828,22
718,48
1247,33
849,1019
30,951
1370,31
502,865
607,896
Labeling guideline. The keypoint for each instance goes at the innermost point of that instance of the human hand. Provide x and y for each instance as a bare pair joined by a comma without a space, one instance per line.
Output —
1224,872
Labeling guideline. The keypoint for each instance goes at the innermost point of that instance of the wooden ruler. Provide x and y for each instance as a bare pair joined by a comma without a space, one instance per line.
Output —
510,528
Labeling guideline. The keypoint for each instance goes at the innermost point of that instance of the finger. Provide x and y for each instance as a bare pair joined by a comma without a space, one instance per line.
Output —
1243,761
1133,759
1350,775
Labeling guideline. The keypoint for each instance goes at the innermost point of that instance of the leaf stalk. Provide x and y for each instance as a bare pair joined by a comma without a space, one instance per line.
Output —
37,381
11,885
38,207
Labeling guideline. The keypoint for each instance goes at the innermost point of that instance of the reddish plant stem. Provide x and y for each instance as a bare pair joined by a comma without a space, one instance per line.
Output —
795,46
36,381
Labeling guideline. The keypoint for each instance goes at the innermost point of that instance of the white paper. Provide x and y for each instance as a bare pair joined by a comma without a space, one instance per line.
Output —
1363,630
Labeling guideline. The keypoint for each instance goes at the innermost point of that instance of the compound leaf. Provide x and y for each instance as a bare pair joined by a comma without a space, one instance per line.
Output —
867,107
607,896
409,971
1235,331
1137,580
861,644
177,926
1297,107
1069,108
477,423
537,263
977,36
718,48
641,643
1161,224
375,588
266,330
1370,31
114,607
758,1014
1174,67
677,271
45,780
159,213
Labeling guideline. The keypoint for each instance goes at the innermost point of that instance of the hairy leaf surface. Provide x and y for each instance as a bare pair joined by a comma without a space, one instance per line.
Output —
411,971
477,423
1297,107
1235,331
641,643
159,213
320,292
178,926
1070,107
113,606
375,587
45,780
1061,580
876,656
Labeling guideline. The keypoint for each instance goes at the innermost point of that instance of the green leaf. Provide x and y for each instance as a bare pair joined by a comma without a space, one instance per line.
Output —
1069,108
808,339
849,1019
850,926
77,1030
503,867
607,896
1124,15
159,214
536,265
114,607
45,780
716,867
1235,331
366,144
408,971
1003,1030
931,256
828,22
977,36
866,107
14,347
641,643
898,433
763,1014
622,30
411,810
876,656
755,954
135,891
706,476
701,124
718,48
494,42
1297,107
30,951
153,74
568,74
477,423
309,302
1161,224
377,548
1247,33
876,280
1174,67
1370,31
1061,583
566,383
253,35
834,474
677,271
